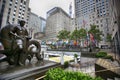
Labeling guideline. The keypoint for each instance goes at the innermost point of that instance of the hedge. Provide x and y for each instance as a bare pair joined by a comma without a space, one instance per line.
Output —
60,74
101,54
104,55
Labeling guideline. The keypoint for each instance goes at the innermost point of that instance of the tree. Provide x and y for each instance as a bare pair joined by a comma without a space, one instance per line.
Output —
82,33
75,56
74,35
95,32
63,34
109,37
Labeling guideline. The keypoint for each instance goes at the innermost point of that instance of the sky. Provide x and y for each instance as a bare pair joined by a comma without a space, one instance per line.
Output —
40,7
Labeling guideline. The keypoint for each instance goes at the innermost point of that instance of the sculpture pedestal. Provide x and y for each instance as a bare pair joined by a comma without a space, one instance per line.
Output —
34,68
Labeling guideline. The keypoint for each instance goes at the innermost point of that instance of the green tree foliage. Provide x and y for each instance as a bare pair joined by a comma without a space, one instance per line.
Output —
109,37
74,35
82,33
59,74
63,34
77,34
96,32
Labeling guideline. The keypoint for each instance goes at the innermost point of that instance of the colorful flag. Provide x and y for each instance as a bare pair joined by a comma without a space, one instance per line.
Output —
75,43
91,37
88,37
85,43
84,22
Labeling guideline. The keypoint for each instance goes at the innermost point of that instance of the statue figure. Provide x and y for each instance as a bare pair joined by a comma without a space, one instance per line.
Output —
17,44
8,42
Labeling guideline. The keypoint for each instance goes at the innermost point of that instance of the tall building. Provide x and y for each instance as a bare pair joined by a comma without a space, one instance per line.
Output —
43,24
70,9
36,25
57,20
93,12
11,11
115,26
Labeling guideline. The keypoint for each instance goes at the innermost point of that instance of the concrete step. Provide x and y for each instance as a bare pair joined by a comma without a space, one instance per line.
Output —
110,79
117,78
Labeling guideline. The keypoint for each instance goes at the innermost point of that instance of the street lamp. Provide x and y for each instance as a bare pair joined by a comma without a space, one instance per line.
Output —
31,32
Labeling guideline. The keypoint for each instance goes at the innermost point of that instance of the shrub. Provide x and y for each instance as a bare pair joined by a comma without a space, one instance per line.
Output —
109,57
75,55
101,54
59,74
104,55
66,64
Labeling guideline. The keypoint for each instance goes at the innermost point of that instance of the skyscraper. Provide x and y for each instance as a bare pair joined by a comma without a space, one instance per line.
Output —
95,12
115,26
36,25
57,20
70,9
11,11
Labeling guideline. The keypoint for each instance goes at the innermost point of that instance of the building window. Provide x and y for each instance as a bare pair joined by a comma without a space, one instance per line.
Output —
13,14
10,3
19,12
24,2
9,10
98,16
16,2
13,19
19,15
113,30
8,19
97,26
15,10
97,21
21,1
103,35
15,6
23,10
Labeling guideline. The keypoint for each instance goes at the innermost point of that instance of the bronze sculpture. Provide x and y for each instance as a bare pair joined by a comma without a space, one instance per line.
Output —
18,46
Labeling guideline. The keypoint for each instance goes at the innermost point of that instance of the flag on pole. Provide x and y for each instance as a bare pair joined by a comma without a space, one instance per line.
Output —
84,22
91,37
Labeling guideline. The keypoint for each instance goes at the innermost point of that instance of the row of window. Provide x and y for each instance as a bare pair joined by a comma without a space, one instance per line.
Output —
91,6
91,1
21,10
22,1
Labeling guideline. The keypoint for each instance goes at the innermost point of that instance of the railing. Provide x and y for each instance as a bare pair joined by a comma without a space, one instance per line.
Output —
106,64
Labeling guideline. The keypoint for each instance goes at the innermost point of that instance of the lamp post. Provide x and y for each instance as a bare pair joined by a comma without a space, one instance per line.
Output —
31,32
